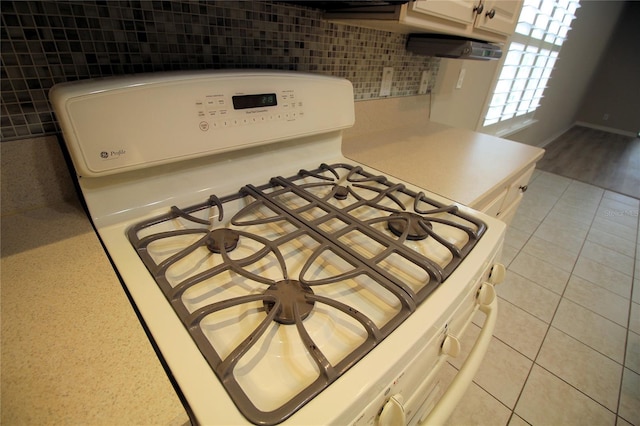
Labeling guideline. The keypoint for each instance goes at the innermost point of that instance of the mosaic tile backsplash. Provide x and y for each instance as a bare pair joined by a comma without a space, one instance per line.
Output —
47,42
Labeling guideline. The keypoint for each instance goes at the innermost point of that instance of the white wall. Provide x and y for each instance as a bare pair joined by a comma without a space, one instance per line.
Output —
613,99
578,60
577,63
462,107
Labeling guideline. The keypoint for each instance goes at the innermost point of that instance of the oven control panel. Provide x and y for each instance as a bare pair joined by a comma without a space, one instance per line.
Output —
130,122
218,110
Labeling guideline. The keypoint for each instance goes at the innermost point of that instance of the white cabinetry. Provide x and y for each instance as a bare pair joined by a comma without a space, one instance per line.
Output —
479,18
503,202
489,20
498,17
463,11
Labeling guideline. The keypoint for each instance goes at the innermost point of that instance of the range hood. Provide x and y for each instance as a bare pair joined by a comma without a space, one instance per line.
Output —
372,6
444,46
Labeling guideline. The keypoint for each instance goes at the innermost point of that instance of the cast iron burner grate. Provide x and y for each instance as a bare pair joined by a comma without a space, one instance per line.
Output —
407,223
290,301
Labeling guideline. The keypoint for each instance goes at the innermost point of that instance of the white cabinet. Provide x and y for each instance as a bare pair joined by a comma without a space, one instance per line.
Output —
477,17
488,20
463,11
499,16
507,198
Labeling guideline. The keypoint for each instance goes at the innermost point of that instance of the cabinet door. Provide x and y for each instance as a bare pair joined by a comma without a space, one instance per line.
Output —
499,16
455,10
508,212
492,208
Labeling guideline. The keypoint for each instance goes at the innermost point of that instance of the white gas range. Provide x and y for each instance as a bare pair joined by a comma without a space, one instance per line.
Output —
281,282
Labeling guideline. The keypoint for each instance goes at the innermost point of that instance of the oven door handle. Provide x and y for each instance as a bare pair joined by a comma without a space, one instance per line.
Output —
452,396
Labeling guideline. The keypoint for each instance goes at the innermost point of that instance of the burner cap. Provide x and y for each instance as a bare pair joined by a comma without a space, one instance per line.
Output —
398,223
290,293
342,192
222,237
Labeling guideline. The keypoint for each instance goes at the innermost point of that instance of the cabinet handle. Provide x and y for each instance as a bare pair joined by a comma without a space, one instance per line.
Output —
490,13
479,8
523,188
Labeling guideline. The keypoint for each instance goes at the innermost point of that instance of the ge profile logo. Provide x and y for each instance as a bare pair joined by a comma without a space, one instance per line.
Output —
112,155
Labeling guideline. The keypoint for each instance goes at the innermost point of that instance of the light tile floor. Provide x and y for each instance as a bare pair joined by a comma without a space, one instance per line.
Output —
566,349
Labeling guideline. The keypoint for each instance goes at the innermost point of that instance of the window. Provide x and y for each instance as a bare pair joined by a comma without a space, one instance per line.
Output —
542,28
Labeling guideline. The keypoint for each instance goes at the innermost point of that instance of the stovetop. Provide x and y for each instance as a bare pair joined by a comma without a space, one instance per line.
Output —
258,297
286,285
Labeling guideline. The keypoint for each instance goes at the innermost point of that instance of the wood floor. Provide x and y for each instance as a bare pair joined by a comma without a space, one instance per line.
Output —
604,159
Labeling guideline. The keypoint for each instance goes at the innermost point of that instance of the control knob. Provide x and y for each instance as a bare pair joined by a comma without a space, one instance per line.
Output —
497,274
392,413
450,346
486,293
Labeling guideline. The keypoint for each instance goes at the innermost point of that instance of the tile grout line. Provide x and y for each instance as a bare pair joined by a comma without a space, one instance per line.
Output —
616,413
626,339
554,314
574,338
515,405
630,305
531,233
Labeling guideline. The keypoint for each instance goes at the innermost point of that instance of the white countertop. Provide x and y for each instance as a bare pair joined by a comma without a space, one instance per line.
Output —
73,350
459,164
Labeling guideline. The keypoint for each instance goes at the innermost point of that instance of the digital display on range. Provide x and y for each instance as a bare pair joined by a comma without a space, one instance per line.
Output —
254,101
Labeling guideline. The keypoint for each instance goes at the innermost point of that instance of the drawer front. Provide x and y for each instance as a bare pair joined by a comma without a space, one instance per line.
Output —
518,187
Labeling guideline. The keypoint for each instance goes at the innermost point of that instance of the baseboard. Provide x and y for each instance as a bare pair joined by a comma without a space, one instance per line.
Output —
606,129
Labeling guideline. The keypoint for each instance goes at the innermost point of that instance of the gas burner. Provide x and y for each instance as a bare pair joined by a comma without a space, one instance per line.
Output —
292,297
218,238
340,192
340,180
399,222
